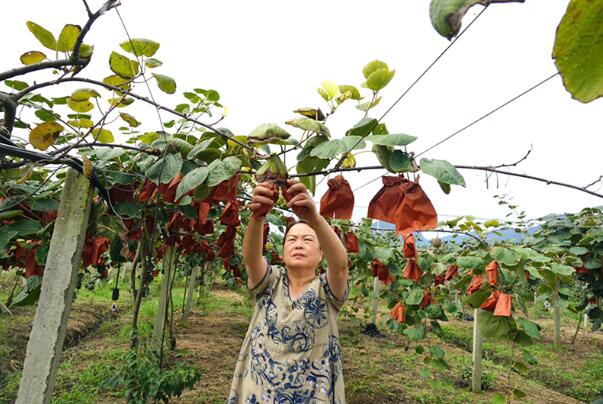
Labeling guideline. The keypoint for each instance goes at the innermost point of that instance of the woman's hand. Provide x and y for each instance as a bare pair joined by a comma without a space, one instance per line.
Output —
264,197
299,199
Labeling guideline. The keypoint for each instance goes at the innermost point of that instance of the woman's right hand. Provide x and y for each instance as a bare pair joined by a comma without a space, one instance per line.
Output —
264,197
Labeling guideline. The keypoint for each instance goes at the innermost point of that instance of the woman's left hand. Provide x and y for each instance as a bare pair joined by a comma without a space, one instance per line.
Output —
300,201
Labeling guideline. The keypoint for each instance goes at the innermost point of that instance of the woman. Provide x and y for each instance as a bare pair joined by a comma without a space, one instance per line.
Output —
291,352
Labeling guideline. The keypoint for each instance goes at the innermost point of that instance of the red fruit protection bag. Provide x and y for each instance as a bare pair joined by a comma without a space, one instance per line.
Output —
338,201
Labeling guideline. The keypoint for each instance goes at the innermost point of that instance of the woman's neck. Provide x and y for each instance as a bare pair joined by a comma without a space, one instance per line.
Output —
298,279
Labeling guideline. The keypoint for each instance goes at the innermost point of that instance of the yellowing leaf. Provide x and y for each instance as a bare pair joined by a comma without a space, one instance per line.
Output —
331,88
140,46
84,94
43,35
87,166
45,134
152,63
31,57
68,37
81,123
86,51
379,79
81,106
373,66
117,81
103,135
122,66
121,102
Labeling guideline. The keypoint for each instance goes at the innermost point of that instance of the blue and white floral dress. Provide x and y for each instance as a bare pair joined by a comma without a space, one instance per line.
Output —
291,352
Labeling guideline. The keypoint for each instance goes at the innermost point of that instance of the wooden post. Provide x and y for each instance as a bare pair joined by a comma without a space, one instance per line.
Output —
58,284
556,317
376,292
169,271
192,281
476,379
586,323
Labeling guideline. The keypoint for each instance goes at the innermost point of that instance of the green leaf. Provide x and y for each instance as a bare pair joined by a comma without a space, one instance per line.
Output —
498,399
68,37
578,50
310,165
578,250
23,227
81,123
102,135
309,124
362,128
331,89
310,145
534,272
267,132
152,63
395,139
529,358
44,205
447,15
6,236
414,297
529,327
444,187
365,106
469,262
140,46
436,352
168,167
563,270
130,209
372,67
129,119
123,67
86,51
200,148
494,326
443,171
191,181
43,35
219,171
477,298
165,83
10,214
16,84
415,333
31,57
379,79
149,138
30,293
353,92
46,116
117,81
505,256
332,148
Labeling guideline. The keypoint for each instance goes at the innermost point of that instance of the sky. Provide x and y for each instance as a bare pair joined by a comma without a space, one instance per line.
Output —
266,58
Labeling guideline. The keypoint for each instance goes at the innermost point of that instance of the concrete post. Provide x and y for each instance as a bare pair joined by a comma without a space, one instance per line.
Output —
192,281
556,317
476,378
169,271
58,284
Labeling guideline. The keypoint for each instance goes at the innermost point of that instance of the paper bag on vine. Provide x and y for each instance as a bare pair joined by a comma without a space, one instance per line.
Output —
475,285
403,203
492,273
503,305
338,201
410,248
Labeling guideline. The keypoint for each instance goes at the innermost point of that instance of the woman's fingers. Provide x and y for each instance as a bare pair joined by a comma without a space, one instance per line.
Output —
262,190
262,199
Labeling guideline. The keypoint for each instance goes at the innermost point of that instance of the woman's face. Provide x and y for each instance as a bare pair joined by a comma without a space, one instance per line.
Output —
302,249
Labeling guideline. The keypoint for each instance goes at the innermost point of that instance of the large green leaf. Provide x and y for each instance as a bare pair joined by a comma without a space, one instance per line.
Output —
416,333
84,94
447,15
477,298
379,79
394,139
191,181
309,124
505,256
165,83
494,326
202,146
23,227
103,135
168,167
310,145
30,293
578,50
268,132
221,170
68,37
140,46
6,236
122,66
529,327
45,205
414,297
332,148
310,165
469,262
362,128
563,270
351,91
443,171
372,67
43,35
